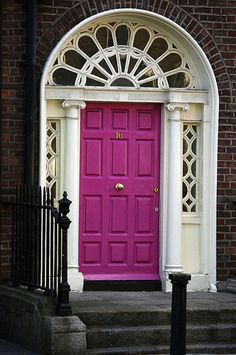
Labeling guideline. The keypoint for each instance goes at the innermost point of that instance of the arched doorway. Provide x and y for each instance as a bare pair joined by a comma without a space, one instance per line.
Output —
131,57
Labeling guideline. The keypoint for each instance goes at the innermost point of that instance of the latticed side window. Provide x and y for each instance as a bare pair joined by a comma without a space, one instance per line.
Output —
191,168
53,157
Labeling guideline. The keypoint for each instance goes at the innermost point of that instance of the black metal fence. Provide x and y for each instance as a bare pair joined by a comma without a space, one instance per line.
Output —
39,244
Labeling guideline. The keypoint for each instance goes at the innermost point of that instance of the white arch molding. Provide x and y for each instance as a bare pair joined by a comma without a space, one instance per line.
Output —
206,101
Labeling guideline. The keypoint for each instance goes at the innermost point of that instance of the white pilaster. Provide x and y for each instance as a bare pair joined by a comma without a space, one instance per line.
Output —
71,186
174,206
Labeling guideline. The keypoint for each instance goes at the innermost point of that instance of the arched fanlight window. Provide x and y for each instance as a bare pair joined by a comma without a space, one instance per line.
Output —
121,54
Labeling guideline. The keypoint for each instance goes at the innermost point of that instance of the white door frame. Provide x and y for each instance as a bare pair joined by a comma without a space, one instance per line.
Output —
72,98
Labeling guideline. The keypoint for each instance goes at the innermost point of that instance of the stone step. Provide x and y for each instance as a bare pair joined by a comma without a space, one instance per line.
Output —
105,337
153,317
127,336
211,349
125,318
130,350
153,350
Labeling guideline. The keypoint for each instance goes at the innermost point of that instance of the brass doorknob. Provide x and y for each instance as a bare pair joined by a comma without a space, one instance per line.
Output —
119,186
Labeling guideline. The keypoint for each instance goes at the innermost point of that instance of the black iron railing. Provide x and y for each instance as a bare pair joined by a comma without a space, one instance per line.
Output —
39,244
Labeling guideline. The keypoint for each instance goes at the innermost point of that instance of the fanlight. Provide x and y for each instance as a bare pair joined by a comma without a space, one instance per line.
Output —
121,54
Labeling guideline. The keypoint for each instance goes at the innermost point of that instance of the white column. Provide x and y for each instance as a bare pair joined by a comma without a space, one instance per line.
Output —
174,208
71,186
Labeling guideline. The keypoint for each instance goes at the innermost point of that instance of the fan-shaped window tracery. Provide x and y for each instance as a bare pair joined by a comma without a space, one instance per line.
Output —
121,54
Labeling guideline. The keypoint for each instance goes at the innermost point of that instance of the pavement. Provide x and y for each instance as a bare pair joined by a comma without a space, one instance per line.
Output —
109,300
8,348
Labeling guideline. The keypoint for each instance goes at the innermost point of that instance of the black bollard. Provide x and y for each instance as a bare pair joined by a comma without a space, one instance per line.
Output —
178,313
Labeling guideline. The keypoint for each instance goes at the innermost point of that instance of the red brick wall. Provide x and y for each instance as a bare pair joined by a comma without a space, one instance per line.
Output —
12,115
212,23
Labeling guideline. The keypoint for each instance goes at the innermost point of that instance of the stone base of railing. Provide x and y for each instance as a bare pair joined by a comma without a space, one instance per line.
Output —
29,319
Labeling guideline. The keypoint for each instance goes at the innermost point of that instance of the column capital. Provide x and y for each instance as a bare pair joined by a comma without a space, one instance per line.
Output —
67,104
172,106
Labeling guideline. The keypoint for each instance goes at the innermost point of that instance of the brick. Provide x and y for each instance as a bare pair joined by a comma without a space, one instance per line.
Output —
231,251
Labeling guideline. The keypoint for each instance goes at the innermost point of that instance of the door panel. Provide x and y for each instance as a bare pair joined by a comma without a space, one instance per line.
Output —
119,229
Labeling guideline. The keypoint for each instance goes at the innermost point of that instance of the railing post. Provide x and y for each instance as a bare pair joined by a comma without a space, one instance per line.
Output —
64,307
178,313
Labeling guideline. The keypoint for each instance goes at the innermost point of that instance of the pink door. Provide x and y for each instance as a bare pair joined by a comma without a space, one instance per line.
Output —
119,223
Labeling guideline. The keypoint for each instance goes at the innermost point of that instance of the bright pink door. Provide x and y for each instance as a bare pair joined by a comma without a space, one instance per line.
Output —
119,228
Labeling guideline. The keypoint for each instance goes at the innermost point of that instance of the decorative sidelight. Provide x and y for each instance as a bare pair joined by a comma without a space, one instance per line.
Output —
53,157
190,167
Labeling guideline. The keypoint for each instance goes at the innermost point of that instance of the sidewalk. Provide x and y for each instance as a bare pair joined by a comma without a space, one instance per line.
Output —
114,301
9,348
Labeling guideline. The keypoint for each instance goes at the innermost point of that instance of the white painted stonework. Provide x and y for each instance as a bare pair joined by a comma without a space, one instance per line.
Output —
187,240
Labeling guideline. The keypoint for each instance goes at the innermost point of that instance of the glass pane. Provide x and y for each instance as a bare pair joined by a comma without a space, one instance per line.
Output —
185,190
105,66
53,190
193,191
185,168
87,45
189,202
104,37
152,83
193,209
92,82
189,157
54,145
132,63
194,168
194,146
189,135
122,82
122,35
157,48
148,74
170,62
141,66
122,61
97,73
114,62
64,77
185,147
74,59
49,133
54,125
189,180
49,178
141,38
178,80
185,208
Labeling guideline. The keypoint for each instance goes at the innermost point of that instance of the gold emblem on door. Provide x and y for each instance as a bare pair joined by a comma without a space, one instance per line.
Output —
155,189
119,135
